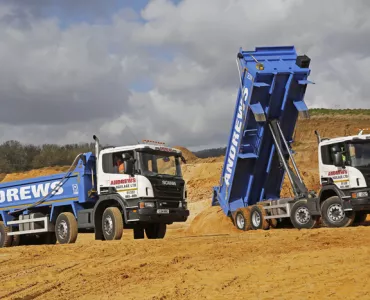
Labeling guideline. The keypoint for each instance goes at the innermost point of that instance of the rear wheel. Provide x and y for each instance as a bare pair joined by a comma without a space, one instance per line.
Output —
138,233
66,229
360,218
257,218
112,224
301,217
333,214
5,239
156,231
242,218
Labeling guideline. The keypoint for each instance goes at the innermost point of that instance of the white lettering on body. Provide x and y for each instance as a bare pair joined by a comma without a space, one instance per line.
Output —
236,137
30,192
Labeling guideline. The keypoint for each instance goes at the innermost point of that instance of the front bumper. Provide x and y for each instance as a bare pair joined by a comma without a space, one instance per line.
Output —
358,204
150,215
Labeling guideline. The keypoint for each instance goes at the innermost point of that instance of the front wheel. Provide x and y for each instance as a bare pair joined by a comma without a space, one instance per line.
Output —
301,217
333,214
112,224
66,229
156,231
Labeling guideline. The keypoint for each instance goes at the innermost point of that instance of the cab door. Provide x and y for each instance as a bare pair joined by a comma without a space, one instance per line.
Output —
125,184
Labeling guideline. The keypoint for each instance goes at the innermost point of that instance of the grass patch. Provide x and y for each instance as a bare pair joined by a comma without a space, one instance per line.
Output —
330,112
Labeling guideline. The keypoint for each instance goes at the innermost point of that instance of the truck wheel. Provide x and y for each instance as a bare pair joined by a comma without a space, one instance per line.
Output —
49,238
301,217
5,239
333,214
257,220
359,218
242,218
66,229
112,224
273,223
16,240
156,231
138,233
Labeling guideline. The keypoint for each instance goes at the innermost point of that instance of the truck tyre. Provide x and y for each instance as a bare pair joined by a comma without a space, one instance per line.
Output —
156,231
16,240
301,217
333,214
112,224
242,218
138,233
66,229
273,223
5,239
49,238
257,220
360,218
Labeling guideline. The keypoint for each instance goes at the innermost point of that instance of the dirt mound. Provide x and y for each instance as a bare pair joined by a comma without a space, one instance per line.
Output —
189,156
201,178
34,173
212,220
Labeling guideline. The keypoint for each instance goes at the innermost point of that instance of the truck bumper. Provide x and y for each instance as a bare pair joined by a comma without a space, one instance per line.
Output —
151,215
359,204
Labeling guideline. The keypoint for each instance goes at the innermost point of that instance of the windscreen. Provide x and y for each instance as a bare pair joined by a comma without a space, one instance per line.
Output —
359,154
153,164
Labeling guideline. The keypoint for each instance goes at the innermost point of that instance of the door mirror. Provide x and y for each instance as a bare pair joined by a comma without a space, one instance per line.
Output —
183,159
338,161
126,156
130,167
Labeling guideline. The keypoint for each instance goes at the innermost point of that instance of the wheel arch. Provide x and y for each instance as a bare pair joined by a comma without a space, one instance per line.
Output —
329,191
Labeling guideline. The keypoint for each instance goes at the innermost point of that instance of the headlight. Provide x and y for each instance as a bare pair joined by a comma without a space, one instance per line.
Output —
147,204
360,194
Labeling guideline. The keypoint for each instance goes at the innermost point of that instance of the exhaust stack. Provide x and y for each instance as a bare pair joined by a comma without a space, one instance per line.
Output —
97,150
318,136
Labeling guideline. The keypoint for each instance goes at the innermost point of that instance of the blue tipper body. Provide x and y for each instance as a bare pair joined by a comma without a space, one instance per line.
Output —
251,171
75,190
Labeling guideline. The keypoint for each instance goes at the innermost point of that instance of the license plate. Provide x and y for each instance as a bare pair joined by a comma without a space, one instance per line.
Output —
163,211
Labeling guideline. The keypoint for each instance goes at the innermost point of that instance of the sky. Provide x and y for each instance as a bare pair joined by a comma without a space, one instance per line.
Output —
163,70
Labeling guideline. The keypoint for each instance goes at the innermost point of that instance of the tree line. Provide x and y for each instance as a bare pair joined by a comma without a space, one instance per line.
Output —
17,157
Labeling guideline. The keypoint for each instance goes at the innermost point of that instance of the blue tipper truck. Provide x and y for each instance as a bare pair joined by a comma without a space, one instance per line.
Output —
273,82
97,195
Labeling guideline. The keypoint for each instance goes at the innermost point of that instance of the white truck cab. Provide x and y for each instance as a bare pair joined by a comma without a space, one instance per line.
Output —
344,166
146,180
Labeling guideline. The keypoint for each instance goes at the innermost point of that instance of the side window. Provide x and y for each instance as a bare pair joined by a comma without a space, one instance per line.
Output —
326,156
113,163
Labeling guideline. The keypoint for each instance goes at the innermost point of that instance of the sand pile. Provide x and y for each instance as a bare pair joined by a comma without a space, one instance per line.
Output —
35,173
201,178
189,156
212,220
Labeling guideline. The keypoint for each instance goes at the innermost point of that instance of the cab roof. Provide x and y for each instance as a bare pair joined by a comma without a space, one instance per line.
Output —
345,139
139,147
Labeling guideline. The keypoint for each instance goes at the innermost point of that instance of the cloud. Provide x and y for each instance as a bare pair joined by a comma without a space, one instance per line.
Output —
65,83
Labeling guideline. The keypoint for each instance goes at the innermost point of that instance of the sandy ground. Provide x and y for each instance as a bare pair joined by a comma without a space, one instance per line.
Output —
275,264
206,257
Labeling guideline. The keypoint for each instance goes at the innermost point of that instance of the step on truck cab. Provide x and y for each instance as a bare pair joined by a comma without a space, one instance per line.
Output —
344,166
137,187
272,85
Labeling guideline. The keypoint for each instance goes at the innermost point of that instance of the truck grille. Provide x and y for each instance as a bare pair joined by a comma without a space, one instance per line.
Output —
168,192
